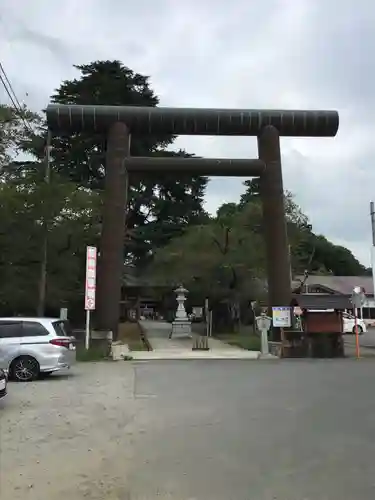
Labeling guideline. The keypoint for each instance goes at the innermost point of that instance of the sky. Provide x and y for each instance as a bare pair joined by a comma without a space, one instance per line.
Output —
284,54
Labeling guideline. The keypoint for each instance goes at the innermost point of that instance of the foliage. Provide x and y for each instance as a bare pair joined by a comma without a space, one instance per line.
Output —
19,130
98,352
159,206
222,258
327,258
309,251
246,339
71,214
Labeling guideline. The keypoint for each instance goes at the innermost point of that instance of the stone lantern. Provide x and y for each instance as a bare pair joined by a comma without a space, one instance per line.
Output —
181,326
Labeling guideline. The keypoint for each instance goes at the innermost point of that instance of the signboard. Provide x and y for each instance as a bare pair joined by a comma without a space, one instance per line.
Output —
358,297
198,312
90,285
281,317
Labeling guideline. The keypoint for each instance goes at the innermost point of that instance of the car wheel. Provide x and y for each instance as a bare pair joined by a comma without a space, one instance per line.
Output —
25,369
360,330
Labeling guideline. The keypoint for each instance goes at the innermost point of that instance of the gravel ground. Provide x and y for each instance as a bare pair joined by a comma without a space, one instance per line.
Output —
192,430
68,437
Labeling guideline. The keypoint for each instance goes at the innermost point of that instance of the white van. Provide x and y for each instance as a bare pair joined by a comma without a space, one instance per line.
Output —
30,347
349,324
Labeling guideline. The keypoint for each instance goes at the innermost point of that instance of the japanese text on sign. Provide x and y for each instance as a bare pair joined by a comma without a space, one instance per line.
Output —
281,317
90,285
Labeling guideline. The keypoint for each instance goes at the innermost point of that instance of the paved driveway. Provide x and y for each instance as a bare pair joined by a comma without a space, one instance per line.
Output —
202,430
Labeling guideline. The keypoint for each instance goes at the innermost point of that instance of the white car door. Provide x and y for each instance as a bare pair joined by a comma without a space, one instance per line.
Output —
348,323
10,341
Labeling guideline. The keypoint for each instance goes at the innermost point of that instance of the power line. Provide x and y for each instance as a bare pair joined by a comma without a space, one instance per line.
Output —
13,98
10,85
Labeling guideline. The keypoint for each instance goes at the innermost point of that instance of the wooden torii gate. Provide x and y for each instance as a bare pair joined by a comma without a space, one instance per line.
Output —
118,123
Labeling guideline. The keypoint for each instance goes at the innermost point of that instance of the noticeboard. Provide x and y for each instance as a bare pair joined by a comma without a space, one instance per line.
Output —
281,317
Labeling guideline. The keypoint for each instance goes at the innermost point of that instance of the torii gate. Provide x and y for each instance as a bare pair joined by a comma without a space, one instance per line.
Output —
119,122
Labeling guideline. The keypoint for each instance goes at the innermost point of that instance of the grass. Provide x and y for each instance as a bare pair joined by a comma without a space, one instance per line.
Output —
94,353
246,340
131,334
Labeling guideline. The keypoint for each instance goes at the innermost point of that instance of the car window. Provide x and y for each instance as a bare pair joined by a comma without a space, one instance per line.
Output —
33,329
62,328
10,329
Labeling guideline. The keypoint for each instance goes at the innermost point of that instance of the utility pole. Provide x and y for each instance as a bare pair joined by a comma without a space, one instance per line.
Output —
43,264
372,215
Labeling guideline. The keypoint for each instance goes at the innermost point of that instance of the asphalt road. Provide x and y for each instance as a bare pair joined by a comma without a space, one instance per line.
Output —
287,430
203,430
367,339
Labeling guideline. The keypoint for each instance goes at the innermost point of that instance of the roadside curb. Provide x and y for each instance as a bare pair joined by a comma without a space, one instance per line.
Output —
159,355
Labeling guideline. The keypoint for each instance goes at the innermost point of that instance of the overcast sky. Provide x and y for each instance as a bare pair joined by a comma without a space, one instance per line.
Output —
316,54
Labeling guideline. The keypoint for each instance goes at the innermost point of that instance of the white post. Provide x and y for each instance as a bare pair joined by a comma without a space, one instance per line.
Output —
90,288
207,316
263,323
87,338
265,347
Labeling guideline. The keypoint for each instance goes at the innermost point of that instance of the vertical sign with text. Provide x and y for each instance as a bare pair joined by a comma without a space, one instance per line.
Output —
90,286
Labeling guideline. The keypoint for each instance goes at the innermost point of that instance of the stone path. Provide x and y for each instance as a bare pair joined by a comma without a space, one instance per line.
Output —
181,348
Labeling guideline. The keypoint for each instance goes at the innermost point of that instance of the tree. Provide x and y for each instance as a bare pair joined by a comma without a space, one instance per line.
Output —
159,207
222,259
252,191
72,216
19,131
308,251
328,258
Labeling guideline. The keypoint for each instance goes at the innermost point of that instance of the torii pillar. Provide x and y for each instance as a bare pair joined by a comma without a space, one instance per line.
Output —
111,258
274,223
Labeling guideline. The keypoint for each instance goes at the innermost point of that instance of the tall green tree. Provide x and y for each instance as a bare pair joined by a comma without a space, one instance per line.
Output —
160,206
72,217
27,207
223,258
309,251
326,257
20,131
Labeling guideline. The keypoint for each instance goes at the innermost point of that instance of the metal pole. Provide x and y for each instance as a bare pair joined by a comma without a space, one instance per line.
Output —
372,216
43,265
87,337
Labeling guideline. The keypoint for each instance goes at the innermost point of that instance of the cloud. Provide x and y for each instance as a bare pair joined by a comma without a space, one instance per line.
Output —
272,54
